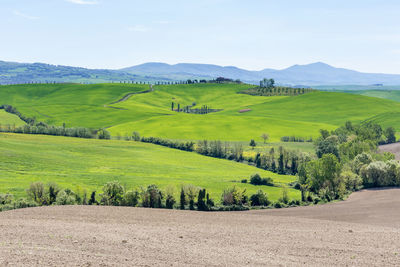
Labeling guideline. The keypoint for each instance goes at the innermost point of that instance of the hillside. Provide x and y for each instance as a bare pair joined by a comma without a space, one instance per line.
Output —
12,72
81,164
300,75
150,113
7,119
311,74
386,94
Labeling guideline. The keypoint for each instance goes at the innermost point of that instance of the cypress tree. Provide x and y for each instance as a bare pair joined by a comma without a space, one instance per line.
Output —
183,199
201,204
281,168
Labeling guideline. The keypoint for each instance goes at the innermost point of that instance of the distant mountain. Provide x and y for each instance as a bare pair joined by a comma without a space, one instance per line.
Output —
311,74
188,70
11,72
306,75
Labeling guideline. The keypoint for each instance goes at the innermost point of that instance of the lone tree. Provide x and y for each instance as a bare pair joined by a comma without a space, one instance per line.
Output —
265,136
252,143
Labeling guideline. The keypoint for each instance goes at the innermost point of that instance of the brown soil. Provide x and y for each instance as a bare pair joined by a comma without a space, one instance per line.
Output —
393,148
363,230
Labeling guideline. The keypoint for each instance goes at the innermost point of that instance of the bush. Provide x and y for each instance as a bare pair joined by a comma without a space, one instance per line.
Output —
256,179
259,199
53,191
36,192
24,203
352,181
113,194
182,201
170,199
92,200
244,181
191,192
6,199
131,198
233,196
151,197
66,197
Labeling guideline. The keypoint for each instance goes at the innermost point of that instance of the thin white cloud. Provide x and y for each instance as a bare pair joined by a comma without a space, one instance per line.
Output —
162,22
83,2
138,28
20,14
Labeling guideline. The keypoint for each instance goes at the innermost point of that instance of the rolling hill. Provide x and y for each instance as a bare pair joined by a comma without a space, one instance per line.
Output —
150,113
16,73
301,75
317,73
87,164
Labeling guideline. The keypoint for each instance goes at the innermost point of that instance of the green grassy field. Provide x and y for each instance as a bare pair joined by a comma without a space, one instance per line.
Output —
150,114
386,94
7,119
87,164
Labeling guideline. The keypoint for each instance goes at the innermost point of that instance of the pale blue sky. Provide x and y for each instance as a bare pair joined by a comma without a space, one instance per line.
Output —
253,34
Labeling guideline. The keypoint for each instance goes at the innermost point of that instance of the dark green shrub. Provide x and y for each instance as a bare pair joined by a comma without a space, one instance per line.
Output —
53,191
256,179
259,199
131,198
201,200
209,201
182,199
317,200
170,202
244,181
6,199
151,197
170,199
92,200
113,193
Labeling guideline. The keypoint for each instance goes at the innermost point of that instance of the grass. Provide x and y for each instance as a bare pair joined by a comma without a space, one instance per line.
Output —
150,114
87,164
7,119
386,94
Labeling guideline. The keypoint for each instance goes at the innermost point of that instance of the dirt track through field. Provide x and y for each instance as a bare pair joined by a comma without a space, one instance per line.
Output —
364,231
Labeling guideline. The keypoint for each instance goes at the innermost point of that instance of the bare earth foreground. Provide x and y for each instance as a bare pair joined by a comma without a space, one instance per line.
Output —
363,230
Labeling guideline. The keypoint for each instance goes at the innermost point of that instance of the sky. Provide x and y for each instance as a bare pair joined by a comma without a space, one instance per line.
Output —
254,34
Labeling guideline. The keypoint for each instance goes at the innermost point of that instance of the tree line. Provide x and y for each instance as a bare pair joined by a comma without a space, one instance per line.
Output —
282,161
115,194
293,138
34,127
277,91
348,160
189,109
